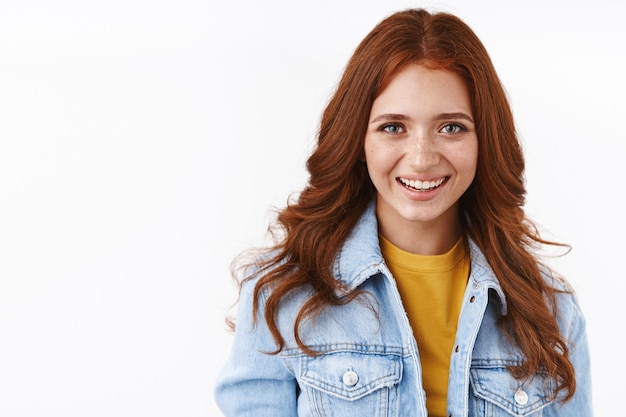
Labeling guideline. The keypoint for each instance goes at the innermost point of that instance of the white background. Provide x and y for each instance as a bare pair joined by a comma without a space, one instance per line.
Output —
142,144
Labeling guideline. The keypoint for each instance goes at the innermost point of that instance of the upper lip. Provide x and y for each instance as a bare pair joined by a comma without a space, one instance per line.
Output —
441,177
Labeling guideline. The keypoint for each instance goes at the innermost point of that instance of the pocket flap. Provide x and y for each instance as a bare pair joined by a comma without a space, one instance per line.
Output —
519,398
351,375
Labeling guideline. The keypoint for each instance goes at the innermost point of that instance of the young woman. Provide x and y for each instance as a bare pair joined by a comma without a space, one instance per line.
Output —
404,281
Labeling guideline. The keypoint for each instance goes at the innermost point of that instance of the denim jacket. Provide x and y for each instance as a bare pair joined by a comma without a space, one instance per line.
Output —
369,364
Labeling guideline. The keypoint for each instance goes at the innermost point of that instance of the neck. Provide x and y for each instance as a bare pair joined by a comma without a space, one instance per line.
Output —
424,238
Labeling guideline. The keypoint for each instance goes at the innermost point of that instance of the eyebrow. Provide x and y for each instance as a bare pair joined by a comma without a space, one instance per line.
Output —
458,115
390,117
441,116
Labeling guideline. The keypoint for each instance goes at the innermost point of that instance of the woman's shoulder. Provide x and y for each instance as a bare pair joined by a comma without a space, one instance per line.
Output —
253,274
568,310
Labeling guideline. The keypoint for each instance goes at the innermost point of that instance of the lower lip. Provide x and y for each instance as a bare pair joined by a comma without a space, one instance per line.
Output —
416,195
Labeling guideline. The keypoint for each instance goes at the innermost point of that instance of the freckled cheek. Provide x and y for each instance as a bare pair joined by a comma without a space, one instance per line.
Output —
382,158
471,164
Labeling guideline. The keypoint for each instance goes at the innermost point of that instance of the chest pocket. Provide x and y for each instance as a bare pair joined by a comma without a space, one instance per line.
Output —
497,394
351,383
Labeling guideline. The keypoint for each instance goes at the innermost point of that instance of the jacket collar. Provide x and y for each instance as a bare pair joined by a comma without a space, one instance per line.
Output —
360,258
482,275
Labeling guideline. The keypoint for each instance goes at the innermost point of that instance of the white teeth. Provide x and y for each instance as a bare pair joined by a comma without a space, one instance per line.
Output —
422,185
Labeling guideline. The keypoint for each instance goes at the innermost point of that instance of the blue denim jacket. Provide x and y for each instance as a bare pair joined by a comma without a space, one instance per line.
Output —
369,363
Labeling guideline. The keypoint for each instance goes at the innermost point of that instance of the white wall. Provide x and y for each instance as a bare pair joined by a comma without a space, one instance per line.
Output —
142,143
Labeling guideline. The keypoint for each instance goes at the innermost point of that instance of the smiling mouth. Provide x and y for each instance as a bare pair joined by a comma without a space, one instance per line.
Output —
421,185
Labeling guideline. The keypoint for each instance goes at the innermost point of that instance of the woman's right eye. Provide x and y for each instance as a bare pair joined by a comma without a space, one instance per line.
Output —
392,128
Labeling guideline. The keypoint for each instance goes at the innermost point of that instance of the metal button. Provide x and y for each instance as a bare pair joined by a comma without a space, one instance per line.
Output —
350,378
521,397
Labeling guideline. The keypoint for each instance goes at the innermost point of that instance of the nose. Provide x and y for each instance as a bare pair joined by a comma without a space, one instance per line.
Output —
423,153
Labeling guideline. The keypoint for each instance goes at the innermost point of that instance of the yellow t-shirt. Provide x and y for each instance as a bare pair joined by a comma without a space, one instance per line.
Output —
432,289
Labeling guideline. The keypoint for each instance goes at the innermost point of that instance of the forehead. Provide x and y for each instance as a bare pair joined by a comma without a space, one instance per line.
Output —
419,87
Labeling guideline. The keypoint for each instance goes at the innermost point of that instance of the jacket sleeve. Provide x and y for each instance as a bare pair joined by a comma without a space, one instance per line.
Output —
253,383
581,403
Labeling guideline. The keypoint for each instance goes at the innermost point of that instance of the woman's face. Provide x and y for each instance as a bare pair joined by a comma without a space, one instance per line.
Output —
421,150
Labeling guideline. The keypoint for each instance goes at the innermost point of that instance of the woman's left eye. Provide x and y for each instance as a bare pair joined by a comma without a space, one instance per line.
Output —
452,128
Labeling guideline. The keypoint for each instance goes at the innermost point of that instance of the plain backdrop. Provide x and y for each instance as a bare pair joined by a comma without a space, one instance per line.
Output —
143,143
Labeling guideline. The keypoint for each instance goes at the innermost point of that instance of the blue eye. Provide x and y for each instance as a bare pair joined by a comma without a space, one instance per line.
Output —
453,128
392,128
